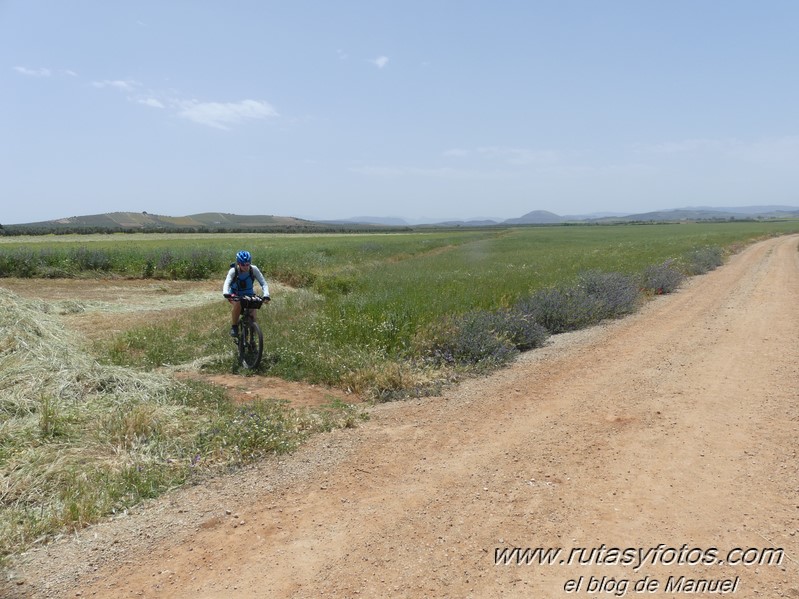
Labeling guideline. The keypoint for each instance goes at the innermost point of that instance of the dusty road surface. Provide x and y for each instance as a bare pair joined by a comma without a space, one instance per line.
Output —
670,435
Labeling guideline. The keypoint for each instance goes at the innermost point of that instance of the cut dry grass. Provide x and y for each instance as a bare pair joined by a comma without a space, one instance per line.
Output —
80,440
65,420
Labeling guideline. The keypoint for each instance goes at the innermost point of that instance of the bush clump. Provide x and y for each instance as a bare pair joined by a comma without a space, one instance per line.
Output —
472,339
21,263
85,259
702,260
488,338
558,310
595,297
522,330
662,278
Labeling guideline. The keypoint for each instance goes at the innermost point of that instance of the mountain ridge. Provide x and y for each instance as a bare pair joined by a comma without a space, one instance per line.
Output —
222,221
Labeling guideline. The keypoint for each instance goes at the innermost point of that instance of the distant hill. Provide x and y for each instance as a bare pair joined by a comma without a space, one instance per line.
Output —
466,223
536,217
696,214
226,222
593,215
144,221
388,221
544,217
751,210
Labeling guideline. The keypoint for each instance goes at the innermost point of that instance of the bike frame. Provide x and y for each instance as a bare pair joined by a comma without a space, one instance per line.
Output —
250,339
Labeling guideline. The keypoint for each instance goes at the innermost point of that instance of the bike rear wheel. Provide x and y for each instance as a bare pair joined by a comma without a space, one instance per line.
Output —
251,345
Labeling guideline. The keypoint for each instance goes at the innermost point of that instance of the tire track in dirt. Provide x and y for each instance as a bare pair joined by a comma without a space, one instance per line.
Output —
677,425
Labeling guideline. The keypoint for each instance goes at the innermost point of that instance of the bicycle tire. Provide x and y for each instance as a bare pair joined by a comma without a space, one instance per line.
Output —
251,345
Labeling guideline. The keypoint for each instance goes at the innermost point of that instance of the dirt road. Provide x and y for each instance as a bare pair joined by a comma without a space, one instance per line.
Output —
675,428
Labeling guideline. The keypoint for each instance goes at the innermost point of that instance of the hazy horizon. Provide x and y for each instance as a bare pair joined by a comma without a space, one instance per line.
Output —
432,220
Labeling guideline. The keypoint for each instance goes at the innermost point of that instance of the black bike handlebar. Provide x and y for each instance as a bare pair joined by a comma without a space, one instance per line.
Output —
234,297
249,301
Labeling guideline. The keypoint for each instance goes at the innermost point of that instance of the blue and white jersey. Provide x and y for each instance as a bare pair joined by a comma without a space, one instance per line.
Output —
241,283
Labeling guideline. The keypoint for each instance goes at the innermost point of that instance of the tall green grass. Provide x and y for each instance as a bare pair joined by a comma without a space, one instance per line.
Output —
333,263
294,259
389,302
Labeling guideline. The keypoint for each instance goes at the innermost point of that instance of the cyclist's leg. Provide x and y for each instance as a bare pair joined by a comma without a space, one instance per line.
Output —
235,313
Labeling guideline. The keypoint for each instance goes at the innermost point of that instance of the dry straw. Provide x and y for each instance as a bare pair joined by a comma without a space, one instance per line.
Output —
64,417
38,356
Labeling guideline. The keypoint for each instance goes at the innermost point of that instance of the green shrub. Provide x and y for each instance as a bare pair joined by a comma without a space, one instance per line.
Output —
90,259
487,338
20,262
596,296
662,278
557,310
702,260
613,294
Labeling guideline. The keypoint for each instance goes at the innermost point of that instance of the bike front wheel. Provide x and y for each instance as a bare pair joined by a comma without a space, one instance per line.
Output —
251,345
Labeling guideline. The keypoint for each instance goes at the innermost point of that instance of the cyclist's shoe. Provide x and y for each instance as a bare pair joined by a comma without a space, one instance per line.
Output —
234,331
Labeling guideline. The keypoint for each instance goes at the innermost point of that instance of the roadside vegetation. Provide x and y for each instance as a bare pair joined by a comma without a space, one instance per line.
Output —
90,430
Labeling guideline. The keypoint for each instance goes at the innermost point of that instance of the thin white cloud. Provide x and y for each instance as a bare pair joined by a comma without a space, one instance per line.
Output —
127,85
507,155
222,114
33,72
687,146
219,115
612,172
342,55
391,172
378,171
778,151
520,156
380,62
45,72
783,151
152,102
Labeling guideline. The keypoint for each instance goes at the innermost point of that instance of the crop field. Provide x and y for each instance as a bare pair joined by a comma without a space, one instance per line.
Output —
93,422
350,305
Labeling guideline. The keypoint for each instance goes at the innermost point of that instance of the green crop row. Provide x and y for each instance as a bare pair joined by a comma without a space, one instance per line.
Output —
295,259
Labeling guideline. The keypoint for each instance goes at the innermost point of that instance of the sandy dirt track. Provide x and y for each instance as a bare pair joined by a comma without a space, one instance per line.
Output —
675,426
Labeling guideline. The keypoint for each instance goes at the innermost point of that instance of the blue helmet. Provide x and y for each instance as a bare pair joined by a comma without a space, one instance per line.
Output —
243,257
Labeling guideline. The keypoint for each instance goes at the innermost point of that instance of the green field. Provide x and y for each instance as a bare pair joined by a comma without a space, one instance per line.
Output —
356,306
362,301
88,428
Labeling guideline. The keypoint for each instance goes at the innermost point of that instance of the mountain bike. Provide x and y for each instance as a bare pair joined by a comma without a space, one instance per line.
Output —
250,341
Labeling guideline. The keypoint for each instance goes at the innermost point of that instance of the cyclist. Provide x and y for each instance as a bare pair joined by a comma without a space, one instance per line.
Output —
239,281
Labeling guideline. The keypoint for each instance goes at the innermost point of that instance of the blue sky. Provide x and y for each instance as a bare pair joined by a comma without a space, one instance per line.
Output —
421,109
